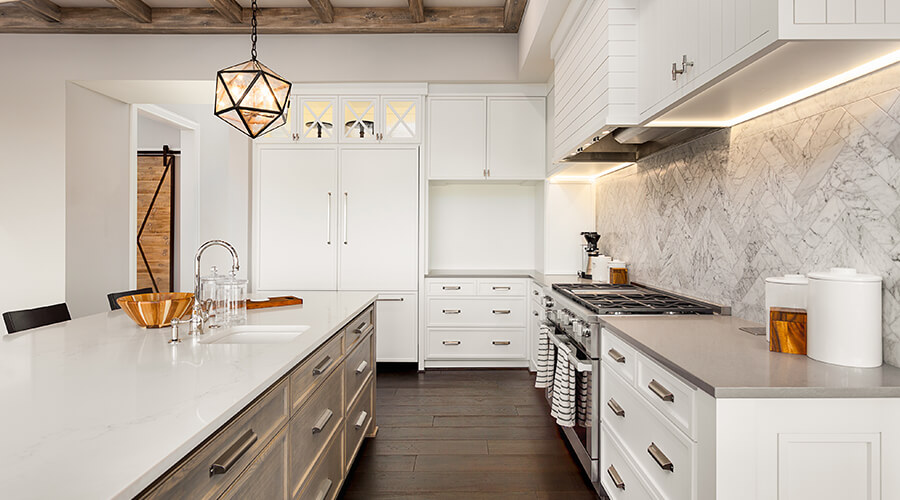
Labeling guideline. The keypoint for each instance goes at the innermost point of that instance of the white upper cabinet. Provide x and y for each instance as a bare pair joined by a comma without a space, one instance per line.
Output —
288,131
317,120
402,119
359,119
516,138
457,137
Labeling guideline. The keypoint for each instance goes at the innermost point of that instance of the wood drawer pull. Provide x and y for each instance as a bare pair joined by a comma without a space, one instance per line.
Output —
451,311
501,342
322,366
617,479
661,459
233,453
323,421
362,326
661,391
501,311
324,488
361,420
362,367
616,356
451,342
614,406
501,288
450,288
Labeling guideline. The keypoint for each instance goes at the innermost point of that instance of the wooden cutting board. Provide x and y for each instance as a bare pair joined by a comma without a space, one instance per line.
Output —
787,330
287,300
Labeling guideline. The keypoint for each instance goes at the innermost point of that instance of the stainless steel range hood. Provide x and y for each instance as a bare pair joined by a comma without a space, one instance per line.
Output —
630,144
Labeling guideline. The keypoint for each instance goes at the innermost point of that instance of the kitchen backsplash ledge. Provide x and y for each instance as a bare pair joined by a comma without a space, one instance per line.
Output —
810,186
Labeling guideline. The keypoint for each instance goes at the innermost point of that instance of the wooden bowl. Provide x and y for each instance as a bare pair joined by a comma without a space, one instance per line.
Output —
156,310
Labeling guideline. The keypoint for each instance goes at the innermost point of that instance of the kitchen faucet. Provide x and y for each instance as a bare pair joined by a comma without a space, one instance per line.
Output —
199,314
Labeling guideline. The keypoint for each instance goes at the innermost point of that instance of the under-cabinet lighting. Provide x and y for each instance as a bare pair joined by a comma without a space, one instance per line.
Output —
869,67
587,178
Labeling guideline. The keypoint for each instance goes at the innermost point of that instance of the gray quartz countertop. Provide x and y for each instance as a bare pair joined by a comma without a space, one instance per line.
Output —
713,354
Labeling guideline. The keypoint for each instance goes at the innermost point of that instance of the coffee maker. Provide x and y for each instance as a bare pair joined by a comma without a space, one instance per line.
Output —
588,250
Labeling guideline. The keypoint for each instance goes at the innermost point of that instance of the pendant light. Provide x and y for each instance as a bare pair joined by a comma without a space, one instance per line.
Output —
251,97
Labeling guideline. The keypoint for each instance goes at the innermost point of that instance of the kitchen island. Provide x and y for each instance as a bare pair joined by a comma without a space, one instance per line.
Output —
97,407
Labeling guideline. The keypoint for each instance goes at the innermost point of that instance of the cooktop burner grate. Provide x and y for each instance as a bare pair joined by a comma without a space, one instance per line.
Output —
604,298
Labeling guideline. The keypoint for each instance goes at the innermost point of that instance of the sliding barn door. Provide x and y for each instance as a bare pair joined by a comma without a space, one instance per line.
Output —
156,220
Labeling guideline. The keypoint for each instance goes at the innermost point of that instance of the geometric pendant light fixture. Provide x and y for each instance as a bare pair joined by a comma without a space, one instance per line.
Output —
251,97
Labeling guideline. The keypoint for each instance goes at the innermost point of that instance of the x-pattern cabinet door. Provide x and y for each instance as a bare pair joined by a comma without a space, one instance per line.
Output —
402,119
317,120
359,119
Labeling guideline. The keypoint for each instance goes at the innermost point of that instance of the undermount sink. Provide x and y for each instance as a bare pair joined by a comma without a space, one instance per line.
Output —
257,334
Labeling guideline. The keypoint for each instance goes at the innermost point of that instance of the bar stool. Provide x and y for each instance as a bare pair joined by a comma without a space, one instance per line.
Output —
113,297
26,319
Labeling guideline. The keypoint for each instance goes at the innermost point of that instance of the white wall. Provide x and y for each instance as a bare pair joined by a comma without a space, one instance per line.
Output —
153,134
568,210
97,209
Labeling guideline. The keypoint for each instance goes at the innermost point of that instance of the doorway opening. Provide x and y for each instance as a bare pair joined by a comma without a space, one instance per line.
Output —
156,207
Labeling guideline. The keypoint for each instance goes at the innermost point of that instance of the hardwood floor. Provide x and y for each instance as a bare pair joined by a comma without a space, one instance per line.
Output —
472,434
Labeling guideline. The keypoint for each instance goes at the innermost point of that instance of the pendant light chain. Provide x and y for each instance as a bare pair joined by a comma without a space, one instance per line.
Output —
253,24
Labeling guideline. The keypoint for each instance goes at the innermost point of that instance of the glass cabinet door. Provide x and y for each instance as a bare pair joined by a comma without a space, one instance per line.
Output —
359,119
317,122
401,119
286,132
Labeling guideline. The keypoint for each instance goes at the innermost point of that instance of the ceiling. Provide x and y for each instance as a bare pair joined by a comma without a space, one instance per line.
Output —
266,4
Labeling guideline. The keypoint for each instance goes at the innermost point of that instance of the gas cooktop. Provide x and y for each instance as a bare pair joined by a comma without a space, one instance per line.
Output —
602,298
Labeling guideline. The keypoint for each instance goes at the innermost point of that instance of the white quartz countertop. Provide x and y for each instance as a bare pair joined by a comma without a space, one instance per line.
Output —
713,353
98,408
543,279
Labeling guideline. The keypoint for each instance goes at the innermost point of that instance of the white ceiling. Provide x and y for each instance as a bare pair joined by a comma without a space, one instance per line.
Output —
290,3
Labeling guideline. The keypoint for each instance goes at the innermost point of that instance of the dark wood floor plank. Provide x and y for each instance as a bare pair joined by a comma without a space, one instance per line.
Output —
447,410
434,495
458,400
409,482
457,390
390,463
533,410
495,433
405,420
528,447
380,446
496,463
493,421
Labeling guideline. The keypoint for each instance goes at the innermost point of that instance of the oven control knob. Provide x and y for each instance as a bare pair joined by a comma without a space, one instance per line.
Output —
548,302
577,326
567,317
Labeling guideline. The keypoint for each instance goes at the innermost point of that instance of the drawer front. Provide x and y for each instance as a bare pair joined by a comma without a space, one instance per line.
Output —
501,288
357,369
312,427
620,480
230,451
671,396
536,293
324,482
310,374
359,327
621,357
642,427
498,313
267,475
476,344
357,424
451,288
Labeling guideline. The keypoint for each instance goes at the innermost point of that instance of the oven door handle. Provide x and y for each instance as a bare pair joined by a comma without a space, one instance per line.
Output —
580,365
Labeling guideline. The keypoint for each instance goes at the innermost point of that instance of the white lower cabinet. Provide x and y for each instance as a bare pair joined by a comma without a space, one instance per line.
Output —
396,321
618,476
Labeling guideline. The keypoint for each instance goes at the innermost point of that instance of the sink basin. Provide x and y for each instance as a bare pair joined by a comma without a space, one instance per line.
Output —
257,334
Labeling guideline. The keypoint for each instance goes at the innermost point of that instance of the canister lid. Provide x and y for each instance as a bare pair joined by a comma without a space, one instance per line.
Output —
844,274
788,279
617,264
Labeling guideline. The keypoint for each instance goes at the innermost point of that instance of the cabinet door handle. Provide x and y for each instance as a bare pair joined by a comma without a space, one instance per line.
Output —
322,366
362,367
346,204
660,458
398,299
233,453
451,311
328,227
616,356
617,479
450,288
501,311
361,328
661,391
501,288
614,406
451,342
536,314
501,342
324,488
535,292
361,419
323,421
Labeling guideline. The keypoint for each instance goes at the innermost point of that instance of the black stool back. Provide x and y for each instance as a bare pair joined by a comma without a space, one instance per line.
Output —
113,297
26,319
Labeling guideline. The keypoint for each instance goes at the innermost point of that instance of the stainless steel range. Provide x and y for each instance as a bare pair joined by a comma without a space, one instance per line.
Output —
575,313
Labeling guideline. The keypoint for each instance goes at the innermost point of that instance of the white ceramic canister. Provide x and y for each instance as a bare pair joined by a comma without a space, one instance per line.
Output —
600,268
844,318
785,291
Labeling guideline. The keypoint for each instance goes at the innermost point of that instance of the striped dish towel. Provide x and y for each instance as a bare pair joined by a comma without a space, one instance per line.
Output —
564,389
546,352
583,399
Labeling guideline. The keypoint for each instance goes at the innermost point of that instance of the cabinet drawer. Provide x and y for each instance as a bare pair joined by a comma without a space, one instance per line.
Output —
324,482
536,293
232,448
476,344
311,428
486,312
359,327
671,396
451,288
357,424
643,427
620,357
307,377
501,288
267,475
357,369
620,480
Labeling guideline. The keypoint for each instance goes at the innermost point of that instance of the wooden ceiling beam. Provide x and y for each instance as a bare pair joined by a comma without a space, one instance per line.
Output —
42,9
229,9
136,9
513,11
275,21
417,10
323,9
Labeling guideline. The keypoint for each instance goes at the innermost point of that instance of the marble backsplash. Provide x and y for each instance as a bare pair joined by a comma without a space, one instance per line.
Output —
808,187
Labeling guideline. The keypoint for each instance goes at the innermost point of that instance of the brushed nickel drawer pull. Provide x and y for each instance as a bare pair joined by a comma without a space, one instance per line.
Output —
362,326
398,299
614,406
233,453
362,367
661,459
616,356
535,292
536,313
661,391
501,342
361,419
617,479
501,311
501,288
323,421
322,366
451,311
451,342
324,488
451,288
